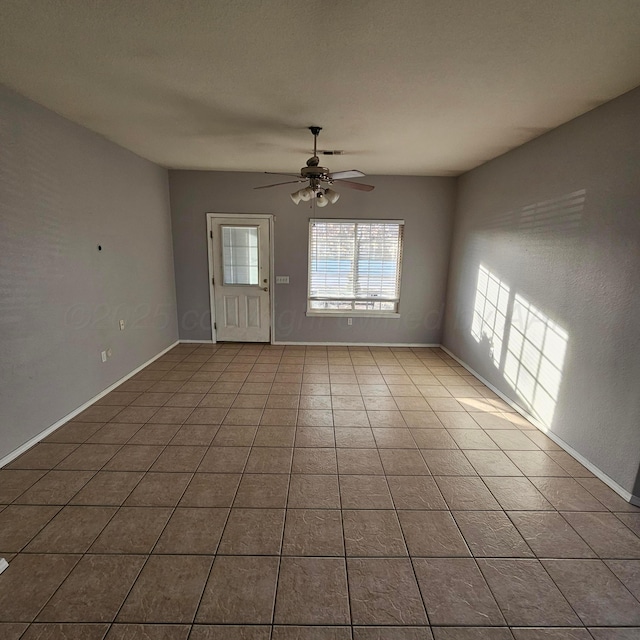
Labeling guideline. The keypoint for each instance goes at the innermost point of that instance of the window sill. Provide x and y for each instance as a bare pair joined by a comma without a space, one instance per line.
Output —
354,314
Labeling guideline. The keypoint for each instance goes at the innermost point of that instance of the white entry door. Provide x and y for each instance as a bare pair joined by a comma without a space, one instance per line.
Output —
241,281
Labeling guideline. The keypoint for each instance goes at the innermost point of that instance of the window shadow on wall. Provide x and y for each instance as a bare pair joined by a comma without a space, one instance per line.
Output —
524,345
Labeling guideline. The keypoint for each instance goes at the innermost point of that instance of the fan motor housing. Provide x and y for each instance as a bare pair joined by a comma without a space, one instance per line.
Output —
320,173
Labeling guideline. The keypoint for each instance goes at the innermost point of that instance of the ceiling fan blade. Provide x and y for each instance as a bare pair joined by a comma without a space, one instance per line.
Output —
274,173
356,185
277,184
341,175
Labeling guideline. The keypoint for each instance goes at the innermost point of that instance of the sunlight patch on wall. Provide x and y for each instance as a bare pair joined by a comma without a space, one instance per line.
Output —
490,313
535,357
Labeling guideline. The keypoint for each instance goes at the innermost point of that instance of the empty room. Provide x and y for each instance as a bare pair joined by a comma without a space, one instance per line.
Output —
319,321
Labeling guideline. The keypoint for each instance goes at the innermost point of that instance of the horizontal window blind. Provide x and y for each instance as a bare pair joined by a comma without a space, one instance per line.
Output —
355,265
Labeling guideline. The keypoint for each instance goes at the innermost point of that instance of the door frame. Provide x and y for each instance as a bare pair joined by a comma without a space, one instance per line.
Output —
212,305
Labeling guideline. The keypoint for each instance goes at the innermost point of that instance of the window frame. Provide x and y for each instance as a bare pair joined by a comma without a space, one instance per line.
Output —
355,312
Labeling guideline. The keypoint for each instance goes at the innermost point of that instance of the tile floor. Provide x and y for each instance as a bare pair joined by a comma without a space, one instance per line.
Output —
254,492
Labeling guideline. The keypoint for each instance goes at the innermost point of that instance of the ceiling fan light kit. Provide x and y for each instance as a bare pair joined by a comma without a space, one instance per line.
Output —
320,179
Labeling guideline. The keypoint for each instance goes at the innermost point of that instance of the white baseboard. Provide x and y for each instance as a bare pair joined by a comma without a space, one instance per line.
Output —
354,344
629,497
56,425
196,342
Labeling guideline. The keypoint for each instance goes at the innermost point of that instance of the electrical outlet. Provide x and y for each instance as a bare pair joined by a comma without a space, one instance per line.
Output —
121,325
103,356
349,321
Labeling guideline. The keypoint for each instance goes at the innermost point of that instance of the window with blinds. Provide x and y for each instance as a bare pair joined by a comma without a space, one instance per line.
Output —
355,265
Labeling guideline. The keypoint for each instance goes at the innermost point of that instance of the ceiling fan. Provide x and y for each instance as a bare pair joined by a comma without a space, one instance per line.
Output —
319,178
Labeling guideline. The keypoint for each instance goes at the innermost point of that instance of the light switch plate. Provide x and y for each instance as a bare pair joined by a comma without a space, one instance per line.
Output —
282,279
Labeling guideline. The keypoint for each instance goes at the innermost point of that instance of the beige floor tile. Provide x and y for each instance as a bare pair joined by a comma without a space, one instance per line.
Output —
132,530
269,460
224,460
455,593
354,437
240,590
384,591
154,434
134,458
315,437
315,418
230,632
526,594
262,490
148,632
56,487
89,457
193,531
20,523
386,419
159,490
274,437
465,493
311,633
312,591
279,417
115,433
200,435
403,462
570,464
536,463
517,493
283,401
565,494
373,533
68,631
605,534
182,579
539,633
313,532
234,436
347,403
392,633
44,455
490,534
628,572
436,439
315,460
392,438
608,497
108,580
550,536
594,592
472,633
432,534
350,418
179,458
72,530
492,463
365,492
253,532
21,599
316,402
314,492
211,490
379,403
457,420
359,461
444,462
472,439
415,492
74,432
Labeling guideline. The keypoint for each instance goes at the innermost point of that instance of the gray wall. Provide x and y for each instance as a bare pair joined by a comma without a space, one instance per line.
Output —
558,221
63,192
426,205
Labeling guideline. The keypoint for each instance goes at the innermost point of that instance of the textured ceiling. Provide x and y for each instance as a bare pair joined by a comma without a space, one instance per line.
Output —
417,87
